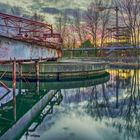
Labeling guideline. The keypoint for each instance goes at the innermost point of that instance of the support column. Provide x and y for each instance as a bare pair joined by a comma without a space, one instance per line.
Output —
20,70
20,86
14,89
37,76
37,87
14,77
20,76
37,70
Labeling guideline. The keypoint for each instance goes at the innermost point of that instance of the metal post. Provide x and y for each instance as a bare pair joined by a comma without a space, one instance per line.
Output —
37,87
14,108
14,77
20,70
37,70
20,77
14,89
20,86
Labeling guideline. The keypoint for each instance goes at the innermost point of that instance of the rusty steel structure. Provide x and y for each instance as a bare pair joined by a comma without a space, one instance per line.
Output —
23,35
30,33
27,30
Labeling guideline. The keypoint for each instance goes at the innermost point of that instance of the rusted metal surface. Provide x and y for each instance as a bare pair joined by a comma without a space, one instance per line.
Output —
14,89
14,77
37,70
20,70
28,61
27,30
10,49
24,39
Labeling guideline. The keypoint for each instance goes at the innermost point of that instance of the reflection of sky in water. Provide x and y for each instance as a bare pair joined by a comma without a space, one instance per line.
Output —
9,96
72,121
91,113
78,126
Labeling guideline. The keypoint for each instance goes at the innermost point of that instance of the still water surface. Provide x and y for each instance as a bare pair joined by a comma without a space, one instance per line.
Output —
106,108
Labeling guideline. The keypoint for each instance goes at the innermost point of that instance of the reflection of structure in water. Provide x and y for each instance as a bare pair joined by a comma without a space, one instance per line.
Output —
122,73
32,99
23,109
54,99
65,83
118,106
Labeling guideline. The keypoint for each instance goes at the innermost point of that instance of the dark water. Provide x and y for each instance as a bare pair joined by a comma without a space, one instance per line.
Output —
101,108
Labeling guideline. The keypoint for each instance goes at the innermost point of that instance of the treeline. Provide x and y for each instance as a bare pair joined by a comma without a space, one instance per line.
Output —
93,24
89,27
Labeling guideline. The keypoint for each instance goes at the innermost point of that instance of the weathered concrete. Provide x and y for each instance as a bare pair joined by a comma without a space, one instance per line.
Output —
10,49
60,70
70,67
59,67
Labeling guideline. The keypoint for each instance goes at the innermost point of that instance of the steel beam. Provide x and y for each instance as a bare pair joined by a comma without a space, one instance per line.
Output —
27,30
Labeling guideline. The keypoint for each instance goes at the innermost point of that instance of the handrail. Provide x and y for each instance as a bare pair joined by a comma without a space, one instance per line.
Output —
28,30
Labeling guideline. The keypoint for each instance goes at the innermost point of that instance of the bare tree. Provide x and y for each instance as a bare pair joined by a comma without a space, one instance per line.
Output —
79,25
97,22
92,21
130,11
38,17
62,28
67,28
103,25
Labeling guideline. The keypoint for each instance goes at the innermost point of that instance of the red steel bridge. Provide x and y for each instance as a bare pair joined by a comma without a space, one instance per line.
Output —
26,41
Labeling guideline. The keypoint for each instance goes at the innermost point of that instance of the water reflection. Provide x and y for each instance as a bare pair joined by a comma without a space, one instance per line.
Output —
33,102
104,111
22,108
89,109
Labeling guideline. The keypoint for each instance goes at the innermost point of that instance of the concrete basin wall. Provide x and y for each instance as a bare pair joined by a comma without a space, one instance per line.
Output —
59,70
57,67
10,49
68,67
